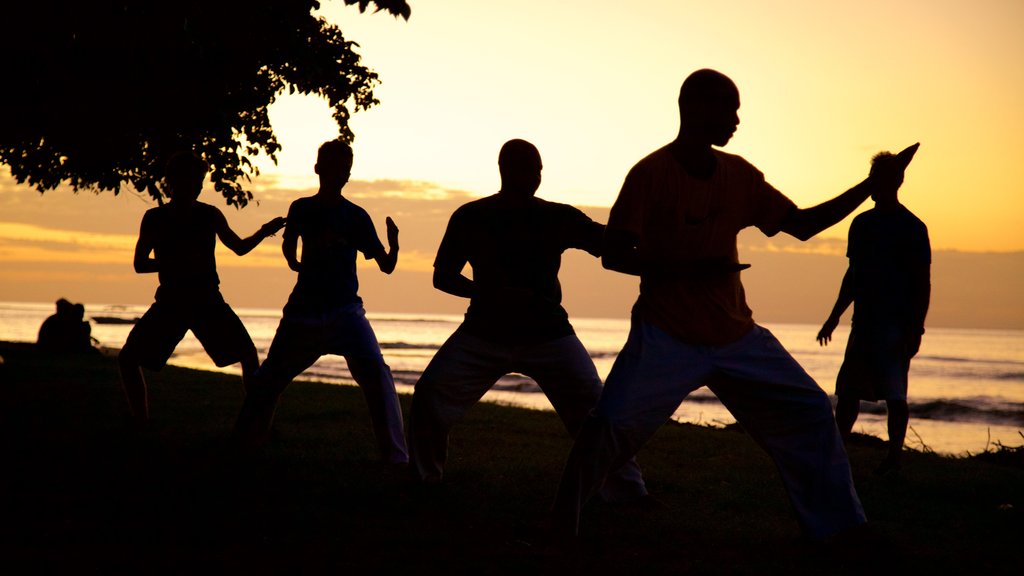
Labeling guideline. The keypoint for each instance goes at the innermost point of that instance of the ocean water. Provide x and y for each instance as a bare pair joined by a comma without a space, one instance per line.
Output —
966,385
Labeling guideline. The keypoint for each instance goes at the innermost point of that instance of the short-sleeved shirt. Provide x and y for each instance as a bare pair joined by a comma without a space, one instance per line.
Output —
183,246
332,232
515,250
885,249
677,217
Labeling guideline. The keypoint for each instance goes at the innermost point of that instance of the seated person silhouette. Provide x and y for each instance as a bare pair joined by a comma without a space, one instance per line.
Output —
675,224
176,241
324,314
513,242
66,330
888,282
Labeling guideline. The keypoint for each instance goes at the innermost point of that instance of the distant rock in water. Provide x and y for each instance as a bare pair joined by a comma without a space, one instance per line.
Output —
113,320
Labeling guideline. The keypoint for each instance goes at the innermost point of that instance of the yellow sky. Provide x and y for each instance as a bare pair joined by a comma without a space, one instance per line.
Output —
824,85
593,83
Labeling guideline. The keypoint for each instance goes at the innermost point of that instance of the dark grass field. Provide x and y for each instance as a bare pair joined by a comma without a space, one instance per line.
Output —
79,493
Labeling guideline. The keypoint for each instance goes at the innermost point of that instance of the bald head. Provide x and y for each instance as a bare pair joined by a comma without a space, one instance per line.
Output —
520,166
708,107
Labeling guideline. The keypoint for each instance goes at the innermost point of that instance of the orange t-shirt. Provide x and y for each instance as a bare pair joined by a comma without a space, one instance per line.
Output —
678,218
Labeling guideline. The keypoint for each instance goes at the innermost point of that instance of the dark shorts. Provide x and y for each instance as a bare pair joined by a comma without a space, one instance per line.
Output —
211,320
876,365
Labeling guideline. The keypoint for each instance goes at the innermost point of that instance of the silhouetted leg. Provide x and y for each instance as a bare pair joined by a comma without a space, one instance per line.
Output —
291,352
250,362
847,411
134,385
785,411
898,421
565,372
256,417
458,375
374,378
150,343
651,376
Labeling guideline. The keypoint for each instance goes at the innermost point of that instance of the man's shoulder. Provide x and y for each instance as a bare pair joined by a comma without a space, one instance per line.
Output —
207,209
353,208
301,203
912,218
663,157
864,216
559,209
477,206
660,156
734,162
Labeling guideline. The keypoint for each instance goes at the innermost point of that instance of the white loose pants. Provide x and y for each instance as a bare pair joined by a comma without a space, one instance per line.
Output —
767,391
466,366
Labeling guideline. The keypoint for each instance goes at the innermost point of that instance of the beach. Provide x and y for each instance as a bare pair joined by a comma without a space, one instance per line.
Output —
81,493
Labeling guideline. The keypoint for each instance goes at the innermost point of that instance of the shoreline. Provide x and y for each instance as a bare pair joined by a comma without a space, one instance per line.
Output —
950,438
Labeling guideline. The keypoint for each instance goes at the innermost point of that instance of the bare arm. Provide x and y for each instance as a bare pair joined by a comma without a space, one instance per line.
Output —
144,263
388,259
843,302
805,223
621,252
242,246
448,278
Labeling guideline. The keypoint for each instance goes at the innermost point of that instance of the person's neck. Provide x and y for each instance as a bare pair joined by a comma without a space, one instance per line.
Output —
888,205
329,192
696,157
181,205
514,196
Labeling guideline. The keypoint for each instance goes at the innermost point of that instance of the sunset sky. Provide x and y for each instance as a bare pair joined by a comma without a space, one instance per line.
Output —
593,84
824,85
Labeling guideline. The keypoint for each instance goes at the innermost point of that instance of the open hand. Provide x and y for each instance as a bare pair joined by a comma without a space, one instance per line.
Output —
272,227
392,231
825,334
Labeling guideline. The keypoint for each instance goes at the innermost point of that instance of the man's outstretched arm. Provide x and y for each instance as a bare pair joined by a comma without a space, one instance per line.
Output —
805,223
242,246
621,252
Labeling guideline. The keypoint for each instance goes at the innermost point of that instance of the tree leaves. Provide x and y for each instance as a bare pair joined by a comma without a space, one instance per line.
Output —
395,7
98,94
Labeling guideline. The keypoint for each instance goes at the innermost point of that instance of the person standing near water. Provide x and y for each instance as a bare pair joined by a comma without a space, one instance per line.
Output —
888,282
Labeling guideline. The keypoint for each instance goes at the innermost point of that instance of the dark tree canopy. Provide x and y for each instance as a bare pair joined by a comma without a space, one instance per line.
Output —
98,94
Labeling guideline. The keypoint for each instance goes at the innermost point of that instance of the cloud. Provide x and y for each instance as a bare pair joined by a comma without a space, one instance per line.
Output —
752,240
405,189
29,243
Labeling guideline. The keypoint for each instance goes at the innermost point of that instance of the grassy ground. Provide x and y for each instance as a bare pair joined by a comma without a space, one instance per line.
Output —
79,494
